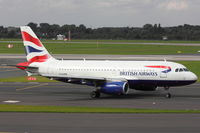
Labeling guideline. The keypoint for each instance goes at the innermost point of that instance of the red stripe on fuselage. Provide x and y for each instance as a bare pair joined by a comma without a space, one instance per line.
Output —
28,37
159,67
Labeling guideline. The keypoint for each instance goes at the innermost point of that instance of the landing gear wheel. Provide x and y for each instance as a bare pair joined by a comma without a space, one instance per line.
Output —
168,95
95,94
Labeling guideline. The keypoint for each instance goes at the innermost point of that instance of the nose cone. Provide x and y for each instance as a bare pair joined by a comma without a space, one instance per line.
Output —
193,77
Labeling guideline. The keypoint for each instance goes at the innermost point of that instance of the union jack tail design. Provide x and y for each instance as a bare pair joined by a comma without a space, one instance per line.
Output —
35,50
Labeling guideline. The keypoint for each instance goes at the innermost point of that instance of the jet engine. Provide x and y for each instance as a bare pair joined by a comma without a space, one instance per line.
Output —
116,88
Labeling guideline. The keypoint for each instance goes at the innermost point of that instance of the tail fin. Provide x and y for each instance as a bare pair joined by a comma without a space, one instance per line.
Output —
35,51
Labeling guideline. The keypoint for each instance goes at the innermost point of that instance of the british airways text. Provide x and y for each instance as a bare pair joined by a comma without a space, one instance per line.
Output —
128,73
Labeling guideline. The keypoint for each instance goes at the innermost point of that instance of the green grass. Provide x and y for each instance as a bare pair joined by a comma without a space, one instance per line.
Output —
24,79
65,109
92,48
119,49
138,41
110,40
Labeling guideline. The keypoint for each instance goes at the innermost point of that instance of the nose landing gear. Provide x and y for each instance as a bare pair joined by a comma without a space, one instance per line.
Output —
168,95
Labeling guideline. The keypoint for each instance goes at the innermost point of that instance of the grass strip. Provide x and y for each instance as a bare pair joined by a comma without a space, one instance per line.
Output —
24,79
110,40
64,109
110,49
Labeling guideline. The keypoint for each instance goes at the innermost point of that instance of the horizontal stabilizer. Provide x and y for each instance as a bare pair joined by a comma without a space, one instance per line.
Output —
30,70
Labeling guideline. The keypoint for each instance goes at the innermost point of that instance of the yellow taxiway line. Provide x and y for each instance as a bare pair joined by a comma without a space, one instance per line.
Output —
9,71
30,87
7,132
7,67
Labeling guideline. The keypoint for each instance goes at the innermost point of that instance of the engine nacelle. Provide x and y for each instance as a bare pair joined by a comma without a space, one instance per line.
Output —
115,88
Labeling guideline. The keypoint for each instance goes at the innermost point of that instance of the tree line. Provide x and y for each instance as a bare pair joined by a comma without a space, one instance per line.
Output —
147,32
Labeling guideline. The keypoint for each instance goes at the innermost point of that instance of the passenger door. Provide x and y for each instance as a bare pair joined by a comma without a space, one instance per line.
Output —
163,75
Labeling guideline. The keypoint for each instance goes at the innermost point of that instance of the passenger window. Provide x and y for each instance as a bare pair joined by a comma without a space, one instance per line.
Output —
176,70
181,70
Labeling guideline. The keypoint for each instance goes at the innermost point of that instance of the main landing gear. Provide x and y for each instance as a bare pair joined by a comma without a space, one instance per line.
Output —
95,94
168,95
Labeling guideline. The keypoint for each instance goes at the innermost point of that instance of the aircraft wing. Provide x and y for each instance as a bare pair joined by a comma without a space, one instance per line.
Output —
98,78
89,78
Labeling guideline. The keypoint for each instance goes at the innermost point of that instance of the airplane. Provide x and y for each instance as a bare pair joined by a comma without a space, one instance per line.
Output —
108,77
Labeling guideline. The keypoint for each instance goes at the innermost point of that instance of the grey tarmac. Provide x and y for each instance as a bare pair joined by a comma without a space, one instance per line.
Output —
98,123
177,57
63,94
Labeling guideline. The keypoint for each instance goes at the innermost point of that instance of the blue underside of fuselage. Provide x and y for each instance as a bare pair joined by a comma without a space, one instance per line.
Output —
161,83
133,83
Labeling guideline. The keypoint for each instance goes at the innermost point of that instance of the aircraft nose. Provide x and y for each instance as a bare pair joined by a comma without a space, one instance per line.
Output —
193,77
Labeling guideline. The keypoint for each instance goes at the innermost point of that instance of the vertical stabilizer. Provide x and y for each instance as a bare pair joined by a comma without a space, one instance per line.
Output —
35,50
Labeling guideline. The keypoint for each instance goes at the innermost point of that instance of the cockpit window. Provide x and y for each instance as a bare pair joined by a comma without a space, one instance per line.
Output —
181,70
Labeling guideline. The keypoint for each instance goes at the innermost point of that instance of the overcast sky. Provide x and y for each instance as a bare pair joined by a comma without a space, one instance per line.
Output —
100,13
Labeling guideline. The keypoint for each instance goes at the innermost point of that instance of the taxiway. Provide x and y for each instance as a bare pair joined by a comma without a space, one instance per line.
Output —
62,94
98,123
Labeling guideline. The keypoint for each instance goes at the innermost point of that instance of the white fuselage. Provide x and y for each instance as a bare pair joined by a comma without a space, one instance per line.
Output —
127,70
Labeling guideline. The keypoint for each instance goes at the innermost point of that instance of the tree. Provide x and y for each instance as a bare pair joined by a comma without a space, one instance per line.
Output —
148,31
147,26
82,28
44,29
33,26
